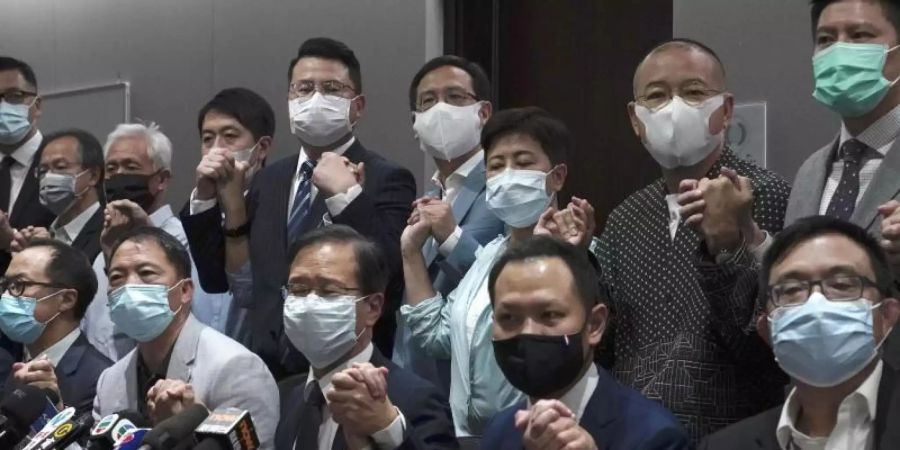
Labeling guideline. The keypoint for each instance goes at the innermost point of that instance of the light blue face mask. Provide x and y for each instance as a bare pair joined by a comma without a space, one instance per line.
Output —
850,77
14,125
518,197
17,318
824,343
142,311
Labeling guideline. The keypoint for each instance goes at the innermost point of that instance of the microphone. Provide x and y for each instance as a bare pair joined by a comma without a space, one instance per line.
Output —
49,412
63,435
113,427
230,428
18,410
171,432
131,440
209,444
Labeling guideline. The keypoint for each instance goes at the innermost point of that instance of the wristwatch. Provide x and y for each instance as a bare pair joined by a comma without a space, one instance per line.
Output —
240,231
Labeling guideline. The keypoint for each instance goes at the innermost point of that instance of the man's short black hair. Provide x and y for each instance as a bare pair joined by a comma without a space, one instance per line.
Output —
327,48
550,132
89,148
371,268
584,275
69,267
175,252
247,107
480,83
10,63
811,227
891,10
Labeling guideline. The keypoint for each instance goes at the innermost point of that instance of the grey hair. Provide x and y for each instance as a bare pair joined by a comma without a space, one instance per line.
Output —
159,147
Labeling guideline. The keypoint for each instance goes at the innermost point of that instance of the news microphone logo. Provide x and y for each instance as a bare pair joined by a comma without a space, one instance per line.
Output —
230,426
122,428
105,424
131,439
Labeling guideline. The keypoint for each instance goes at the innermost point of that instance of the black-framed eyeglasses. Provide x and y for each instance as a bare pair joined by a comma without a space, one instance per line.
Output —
839,288
455,97
16,287
303,290
306,89
16,97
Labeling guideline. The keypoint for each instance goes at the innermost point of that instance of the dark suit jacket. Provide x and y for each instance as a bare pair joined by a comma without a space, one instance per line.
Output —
617,417
428,423
88,239
380,213
758,432
76,374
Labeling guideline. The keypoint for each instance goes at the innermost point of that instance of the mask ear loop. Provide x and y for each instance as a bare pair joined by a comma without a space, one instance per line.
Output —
57,313
175,313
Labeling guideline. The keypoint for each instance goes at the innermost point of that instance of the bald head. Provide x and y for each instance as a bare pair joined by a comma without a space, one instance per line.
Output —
678,62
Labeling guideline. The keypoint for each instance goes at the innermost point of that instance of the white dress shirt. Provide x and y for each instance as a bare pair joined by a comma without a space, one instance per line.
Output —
855,420
56,351
69,232
879,136
449,192
24,156
386,439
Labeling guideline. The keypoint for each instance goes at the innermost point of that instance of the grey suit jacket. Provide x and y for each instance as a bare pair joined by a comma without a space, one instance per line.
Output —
222,372
806,195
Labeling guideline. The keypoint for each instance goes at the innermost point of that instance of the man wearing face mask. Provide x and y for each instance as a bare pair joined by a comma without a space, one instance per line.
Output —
448,97
353,397
549,316
830,302
70,175
333,179
671,343
46,290
525,152
178,361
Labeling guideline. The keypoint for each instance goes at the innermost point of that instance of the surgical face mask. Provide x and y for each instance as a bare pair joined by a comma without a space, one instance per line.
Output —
447,132
57,191
824,343
244,156
14,124
142,311
540,365
320,120
323,329
850,77
518,197
17,318
677,135
134,187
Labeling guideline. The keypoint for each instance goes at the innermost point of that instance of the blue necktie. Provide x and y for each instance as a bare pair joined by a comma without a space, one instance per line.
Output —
302,201
843,202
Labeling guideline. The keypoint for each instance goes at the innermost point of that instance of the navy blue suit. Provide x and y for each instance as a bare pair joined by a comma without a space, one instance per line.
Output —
380,213
428,423
617,417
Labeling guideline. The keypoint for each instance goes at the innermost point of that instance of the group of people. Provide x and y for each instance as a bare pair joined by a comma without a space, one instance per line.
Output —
719,307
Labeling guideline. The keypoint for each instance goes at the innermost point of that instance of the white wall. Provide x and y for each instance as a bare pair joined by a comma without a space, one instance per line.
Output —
766,46
179,53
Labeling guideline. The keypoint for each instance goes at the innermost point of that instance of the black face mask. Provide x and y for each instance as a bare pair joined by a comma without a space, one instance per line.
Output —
540,365
134,187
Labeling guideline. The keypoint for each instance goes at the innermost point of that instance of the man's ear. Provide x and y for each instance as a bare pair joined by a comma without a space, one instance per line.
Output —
187,291
69,300
890,312
597,323
557,178
762,329
636,124
376,306
485,112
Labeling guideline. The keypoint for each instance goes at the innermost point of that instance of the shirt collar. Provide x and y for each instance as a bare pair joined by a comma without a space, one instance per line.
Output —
339,151
77,224
56,351
577,398
462,172
24,155
325,381
881,134
161,215
867,393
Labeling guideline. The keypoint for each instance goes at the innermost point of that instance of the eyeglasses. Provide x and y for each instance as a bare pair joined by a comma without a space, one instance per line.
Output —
16,97
840,288
693,96
302,290
455,97
16,287
306,89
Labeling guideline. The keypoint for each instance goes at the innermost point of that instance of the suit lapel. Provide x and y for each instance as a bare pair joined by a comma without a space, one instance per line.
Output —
812,188
185,351
69,362
602,408
883,187
90,232
27,195
281,193
471,187
887,434
129,398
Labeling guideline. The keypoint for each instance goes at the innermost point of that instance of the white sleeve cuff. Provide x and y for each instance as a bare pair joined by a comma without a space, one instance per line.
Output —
760,250
392,436
447,247
200,206
338,202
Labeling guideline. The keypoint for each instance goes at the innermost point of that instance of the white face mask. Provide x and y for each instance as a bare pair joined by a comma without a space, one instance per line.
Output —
323,329
446,131
678,134
243,156
518,197
320,120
